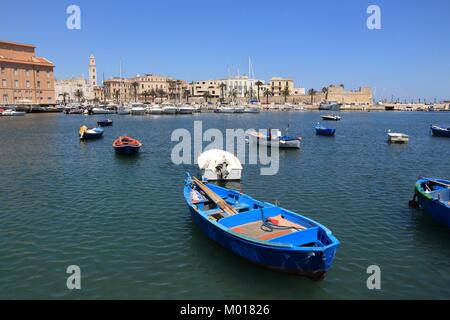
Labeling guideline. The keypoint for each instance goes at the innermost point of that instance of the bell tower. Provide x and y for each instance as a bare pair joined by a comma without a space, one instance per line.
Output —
92,71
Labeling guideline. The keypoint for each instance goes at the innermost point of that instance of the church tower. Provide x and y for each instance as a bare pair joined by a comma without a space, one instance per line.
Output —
92,72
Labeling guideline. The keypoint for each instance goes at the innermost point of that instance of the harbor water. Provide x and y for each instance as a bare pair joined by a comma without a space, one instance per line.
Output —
124,222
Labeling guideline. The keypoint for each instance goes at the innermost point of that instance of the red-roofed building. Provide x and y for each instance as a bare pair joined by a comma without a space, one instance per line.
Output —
25,78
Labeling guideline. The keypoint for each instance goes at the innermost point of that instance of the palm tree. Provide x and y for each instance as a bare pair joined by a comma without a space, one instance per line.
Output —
145,94
267,93
286,93
64,95
312,93
341,85
161,94
206,95
79,94
325,92
153,94
258,85
186,94
233,94
172,87
222,87
117,95
135,86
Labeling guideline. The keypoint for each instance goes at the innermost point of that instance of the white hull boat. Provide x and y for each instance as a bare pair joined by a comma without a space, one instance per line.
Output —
169,110
217,164
274,140
395,137
12,113
102,111
186,110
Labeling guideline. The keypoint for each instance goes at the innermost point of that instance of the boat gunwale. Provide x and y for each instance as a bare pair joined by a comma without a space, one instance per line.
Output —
267,243
428,196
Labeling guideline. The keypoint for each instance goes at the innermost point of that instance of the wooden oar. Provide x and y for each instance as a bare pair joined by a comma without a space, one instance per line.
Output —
440,183
214,197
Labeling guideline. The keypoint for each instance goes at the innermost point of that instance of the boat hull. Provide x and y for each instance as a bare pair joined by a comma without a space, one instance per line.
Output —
436,209
440,132
288,144
127,150
325,132
235,174
311,264
91,136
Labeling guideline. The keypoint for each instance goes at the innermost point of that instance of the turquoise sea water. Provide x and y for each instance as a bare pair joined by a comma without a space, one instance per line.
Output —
124,221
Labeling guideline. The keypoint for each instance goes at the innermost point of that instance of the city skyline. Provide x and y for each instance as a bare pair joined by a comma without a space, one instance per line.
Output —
316,44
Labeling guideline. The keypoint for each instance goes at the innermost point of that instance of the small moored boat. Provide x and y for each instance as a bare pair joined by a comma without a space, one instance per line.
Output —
261,232
323,131
331,117
433,195
440,132
85,133
218,164
126,145
274,139
395,137
12,113
105,123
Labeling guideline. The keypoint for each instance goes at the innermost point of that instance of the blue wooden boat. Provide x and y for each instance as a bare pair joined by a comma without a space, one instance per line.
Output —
433,195
105,123
322,131
261,232
85,133
440,132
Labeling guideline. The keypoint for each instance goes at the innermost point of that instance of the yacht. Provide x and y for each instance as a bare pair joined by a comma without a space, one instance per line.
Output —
186,109
169,108
137,109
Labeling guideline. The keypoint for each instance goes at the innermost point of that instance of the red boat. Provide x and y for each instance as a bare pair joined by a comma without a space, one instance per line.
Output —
126,145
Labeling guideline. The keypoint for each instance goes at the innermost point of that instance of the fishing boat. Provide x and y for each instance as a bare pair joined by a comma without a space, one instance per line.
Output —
395,137
90,133
105,123
433,196
260,232
218,164
126,145
12,113
274,139
331,117
323,131
440,132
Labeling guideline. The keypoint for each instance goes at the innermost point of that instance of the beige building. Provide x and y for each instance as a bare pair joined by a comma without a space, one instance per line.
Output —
361,96
118,89
99,94
69,87
25,78
198,88
151,82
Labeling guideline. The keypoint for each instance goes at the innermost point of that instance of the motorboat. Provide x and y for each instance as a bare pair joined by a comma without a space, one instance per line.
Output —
218,164
126,146
395,137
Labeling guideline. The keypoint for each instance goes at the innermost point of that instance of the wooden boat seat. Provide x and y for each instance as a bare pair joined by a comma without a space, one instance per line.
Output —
254,230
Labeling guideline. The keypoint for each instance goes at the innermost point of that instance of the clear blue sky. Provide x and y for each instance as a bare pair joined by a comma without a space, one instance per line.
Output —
315,42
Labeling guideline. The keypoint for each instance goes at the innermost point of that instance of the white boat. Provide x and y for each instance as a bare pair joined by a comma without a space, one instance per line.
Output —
12,113
217,164
395,137
274,139
137,109
185,109
252,110
239,109
169,109
224,110
123,110
102,111
331,117
155,109
299,108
